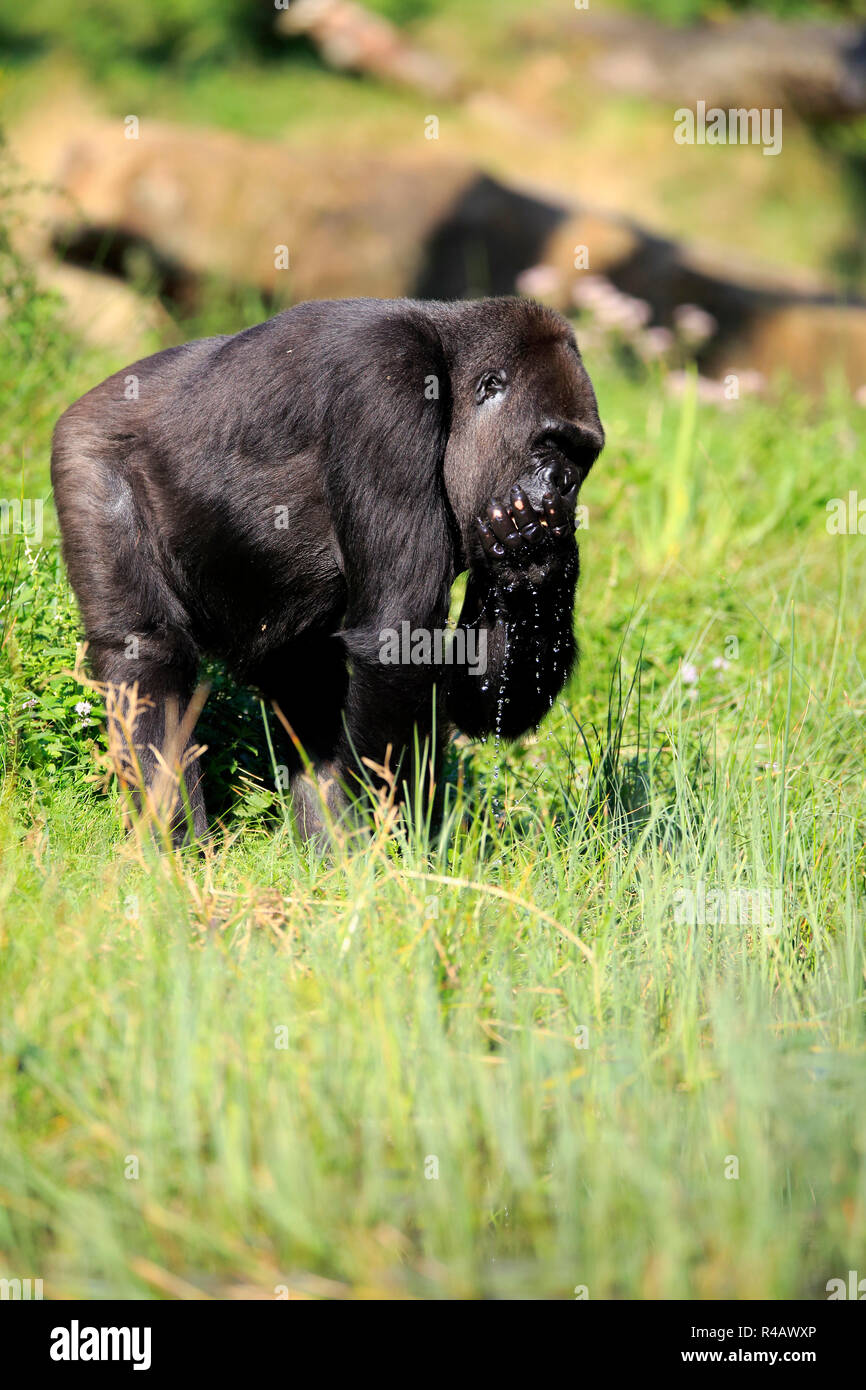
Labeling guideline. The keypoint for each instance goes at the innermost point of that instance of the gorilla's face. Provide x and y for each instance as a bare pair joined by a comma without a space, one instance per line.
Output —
524,415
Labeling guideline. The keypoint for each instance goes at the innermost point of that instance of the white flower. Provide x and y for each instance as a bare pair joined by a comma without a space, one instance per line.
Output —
83,708
688,673
720,663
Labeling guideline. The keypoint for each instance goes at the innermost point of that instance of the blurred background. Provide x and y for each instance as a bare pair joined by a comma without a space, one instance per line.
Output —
173,169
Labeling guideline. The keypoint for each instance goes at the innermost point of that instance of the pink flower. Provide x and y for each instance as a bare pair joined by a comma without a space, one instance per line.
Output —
539,281
655,342
694,325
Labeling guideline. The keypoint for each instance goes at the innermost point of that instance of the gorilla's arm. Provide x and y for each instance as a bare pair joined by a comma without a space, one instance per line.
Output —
520,593
387,437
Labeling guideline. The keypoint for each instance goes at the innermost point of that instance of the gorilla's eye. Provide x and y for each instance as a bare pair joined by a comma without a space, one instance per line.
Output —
489,384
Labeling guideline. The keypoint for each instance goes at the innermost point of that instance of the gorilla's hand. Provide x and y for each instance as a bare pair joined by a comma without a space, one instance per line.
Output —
523,549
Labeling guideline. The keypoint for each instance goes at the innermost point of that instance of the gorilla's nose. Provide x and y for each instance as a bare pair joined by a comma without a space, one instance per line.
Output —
560,476
551,475
564,453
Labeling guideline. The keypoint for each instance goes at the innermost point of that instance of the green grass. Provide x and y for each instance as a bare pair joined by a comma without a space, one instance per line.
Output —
432,989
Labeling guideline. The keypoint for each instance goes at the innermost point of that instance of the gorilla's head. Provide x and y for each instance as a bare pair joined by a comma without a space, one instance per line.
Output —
523,411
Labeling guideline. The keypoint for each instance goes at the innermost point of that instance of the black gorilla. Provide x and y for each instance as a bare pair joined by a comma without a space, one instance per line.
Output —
282,497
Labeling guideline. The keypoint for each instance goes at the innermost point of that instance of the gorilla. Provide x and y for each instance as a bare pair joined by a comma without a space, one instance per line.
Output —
282,498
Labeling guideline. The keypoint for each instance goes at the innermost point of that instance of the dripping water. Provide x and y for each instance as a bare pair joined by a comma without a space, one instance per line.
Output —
537,639
497,734
560,617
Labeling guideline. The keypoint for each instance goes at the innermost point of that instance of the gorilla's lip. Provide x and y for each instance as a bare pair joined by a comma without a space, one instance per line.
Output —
537,487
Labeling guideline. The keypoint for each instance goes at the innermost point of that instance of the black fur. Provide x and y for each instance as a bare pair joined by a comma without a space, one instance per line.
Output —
400,443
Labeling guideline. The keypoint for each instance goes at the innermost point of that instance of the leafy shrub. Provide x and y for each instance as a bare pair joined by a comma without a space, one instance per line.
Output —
50,725
175,31
162,30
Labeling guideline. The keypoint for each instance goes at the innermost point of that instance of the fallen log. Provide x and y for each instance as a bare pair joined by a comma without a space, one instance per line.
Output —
306,224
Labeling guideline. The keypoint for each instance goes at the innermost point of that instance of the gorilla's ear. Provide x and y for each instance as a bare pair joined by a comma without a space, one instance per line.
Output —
388,418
